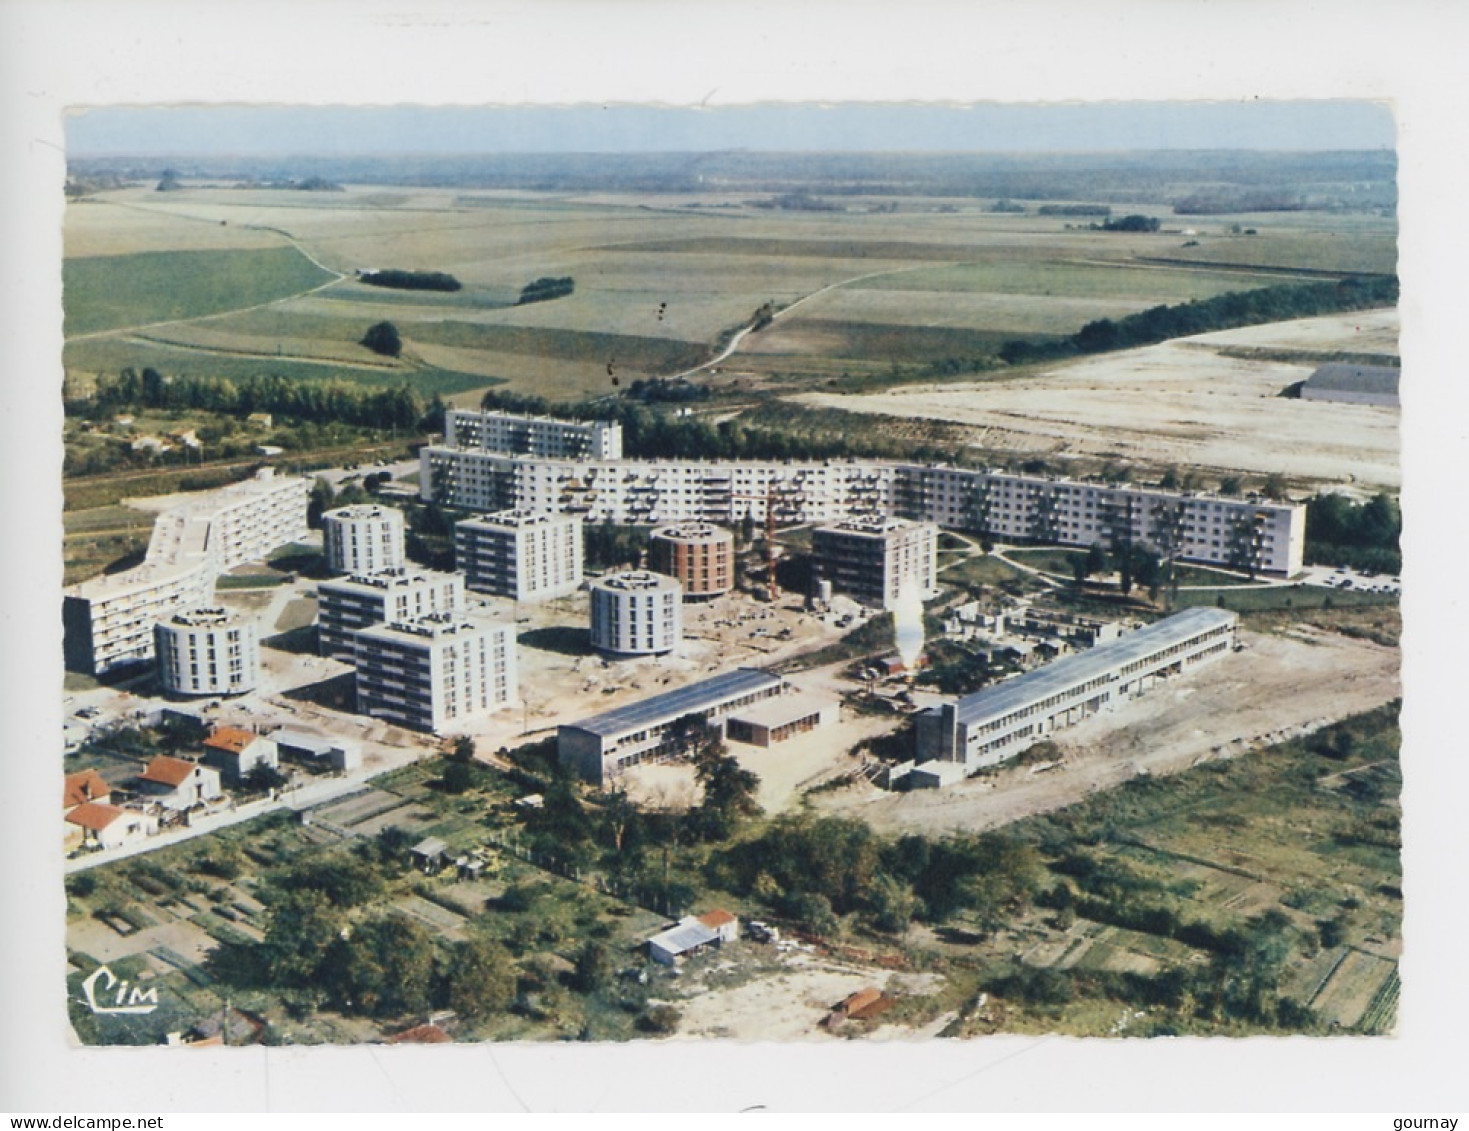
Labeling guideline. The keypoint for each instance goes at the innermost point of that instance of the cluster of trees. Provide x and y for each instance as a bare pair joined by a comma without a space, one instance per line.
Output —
1134,565
814,869
1341,532
383,339
610,545
655,389
778,431
1222,312
1074,210
316,401
546,288
1011,207
1215,201
797,202
410,280
323,946
1132,223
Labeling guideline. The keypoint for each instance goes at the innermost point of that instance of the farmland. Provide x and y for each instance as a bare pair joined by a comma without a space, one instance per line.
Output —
659,282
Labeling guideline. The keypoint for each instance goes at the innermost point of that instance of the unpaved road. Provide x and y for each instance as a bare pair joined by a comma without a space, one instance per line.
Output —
1185,402
1278,686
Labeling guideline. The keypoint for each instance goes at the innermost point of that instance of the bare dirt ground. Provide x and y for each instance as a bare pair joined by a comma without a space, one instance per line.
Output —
1184,402
1279,686
788,1004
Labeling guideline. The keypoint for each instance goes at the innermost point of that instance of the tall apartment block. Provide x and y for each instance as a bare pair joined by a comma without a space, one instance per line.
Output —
430,673
538,436
209,650
527,556
636,613
1245,534
363,539
346,605
875,560
109,621
699,555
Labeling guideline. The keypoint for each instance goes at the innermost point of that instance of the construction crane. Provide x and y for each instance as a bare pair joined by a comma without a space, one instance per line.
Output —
773,587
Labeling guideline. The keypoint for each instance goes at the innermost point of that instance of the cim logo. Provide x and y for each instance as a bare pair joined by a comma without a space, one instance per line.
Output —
128,998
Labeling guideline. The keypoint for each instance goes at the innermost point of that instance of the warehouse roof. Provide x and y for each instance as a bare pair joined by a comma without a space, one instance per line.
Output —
670,705
783,709
1044,682
1379,379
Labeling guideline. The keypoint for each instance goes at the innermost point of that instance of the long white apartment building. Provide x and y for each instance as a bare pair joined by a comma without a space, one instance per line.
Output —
524,555
539,436
108,621
998,722
345,605
433,672
876,560
364,539
209,650
1246,534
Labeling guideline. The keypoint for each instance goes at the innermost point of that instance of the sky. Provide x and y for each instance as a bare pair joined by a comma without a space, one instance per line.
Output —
248,130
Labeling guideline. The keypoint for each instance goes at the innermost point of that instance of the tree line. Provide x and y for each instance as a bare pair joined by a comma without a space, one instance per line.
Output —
410,280
1222,312
317,401
546,288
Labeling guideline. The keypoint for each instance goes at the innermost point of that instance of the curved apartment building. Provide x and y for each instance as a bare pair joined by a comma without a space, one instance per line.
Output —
207,650
363,539
636,613
699,555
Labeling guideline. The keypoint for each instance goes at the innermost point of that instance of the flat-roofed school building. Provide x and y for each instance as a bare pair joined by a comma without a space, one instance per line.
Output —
523,555
998,722
599,747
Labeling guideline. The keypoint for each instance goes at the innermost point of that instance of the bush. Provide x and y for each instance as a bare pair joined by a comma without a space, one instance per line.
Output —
660,1019
382,338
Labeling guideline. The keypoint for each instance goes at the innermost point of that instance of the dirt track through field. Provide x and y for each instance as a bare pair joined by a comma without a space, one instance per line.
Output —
1278,687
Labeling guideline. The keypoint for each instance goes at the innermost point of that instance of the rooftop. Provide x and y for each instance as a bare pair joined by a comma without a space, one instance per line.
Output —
94,815
385,579
874,524
363,511
672,704
783,709
433,626
694,532
232,739
518,520
83,787
205,616
1338,377
168,771
689,934
636,579
1044,682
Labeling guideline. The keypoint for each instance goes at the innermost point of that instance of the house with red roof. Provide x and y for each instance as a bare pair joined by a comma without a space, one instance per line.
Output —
108,826
78,790
234,752
179,784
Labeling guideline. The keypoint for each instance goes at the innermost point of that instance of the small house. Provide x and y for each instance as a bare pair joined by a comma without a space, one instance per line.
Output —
108,826
341,754
235,752
430,855
82,787
691,933
178,784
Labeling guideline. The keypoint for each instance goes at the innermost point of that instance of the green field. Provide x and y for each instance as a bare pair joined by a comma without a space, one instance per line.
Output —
113,291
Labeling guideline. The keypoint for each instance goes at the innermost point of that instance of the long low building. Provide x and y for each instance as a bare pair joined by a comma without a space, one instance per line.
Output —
999,722
599,747
1252,535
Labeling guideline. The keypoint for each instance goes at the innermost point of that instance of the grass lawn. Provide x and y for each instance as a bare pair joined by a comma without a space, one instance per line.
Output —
1282,597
